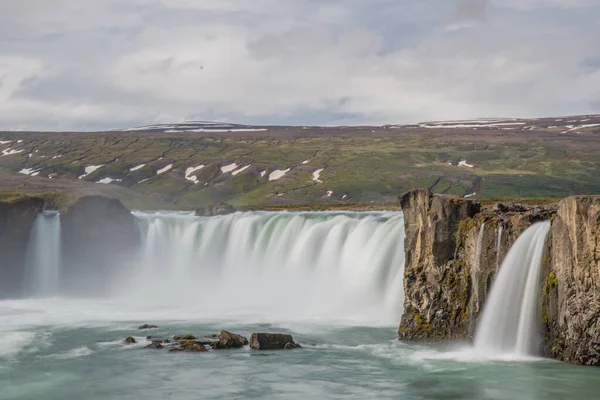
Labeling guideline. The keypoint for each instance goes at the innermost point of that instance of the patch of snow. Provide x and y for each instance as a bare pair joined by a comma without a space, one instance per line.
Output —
262,174
19,141
317,175
572,128
278,174
216,130
5,141
469,125
36,173
160,158
552,127
465,164
165,169
106,181
189,171
29,155
27,171
143,180
237,171
37,151
305,161
558,120
344,197
9,152
585,120
90,169
228,168
470,195
329,193
58,156
137,167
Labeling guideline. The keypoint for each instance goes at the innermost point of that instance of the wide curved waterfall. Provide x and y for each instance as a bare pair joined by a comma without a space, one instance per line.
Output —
275,264
44,256
510,320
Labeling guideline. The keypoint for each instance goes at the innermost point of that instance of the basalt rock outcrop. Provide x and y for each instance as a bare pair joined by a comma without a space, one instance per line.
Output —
98,236
272,341
17,217
571,286
454,248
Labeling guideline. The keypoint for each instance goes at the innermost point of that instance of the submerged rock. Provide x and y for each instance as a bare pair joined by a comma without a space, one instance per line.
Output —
190,346
272,341
129,340
228,340
218,209
160,340
184,337
146,326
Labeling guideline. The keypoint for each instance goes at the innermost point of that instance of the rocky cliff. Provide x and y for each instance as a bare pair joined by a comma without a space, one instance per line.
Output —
17,217
571,288
453,249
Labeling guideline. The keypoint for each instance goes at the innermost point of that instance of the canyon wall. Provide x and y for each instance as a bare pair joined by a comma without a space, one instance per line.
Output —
17,217
454,248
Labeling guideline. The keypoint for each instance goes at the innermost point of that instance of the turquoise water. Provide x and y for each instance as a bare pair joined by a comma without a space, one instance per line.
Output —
68,349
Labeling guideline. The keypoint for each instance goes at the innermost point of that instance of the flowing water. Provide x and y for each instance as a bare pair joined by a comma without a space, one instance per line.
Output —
510,318
44,256
332,280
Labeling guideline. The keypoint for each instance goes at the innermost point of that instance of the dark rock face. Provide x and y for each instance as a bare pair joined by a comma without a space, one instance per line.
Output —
228,340
146,326
99,235
219,209
155,345
571,287
16,222
272,341
129,340
436,283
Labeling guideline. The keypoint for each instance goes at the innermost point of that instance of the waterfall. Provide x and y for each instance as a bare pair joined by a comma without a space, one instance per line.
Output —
509,324
477,263
275,264
44,256
498,246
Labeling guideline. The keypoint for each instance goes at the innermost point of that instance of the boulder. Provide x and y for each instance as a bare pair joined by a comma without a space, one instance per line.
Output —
155,345
146,326
129,340
228,340
272,341
191,346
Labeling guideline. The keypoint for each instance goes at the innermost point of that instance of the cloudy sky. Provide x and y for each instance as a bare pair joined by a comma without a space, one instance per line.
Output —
99,64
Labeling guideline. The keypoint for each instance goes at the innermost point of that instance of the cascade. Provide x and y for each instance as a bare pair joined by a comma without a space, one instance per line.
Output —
498,246
477,263
294,264
509,324
44,256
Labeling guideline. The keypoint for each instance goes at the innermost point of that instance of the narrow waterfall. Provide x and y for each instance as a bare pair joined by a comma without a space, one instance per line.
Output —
498,246
509,324
477,263
44,256
275,264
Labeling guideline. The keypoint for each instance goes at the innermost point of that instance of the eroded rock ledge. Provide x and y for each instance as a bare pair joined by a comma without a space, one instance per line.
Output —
446,283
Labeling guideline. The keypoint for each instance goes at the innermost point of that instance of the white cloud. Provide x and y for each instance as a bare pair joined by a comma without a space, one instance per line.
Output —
105,64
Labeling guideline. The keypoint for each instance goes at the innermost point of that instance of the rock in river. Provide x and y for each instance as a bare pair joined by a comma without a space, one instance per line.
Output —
272,341
228,340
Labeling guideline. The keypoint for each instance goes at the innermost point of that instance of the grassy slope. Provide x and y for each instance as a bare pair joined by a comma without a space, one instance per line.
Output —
363,165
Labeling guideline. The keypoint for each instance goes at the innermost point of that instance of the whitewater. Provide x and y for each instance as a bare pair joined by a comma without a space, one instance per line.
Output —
332,279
